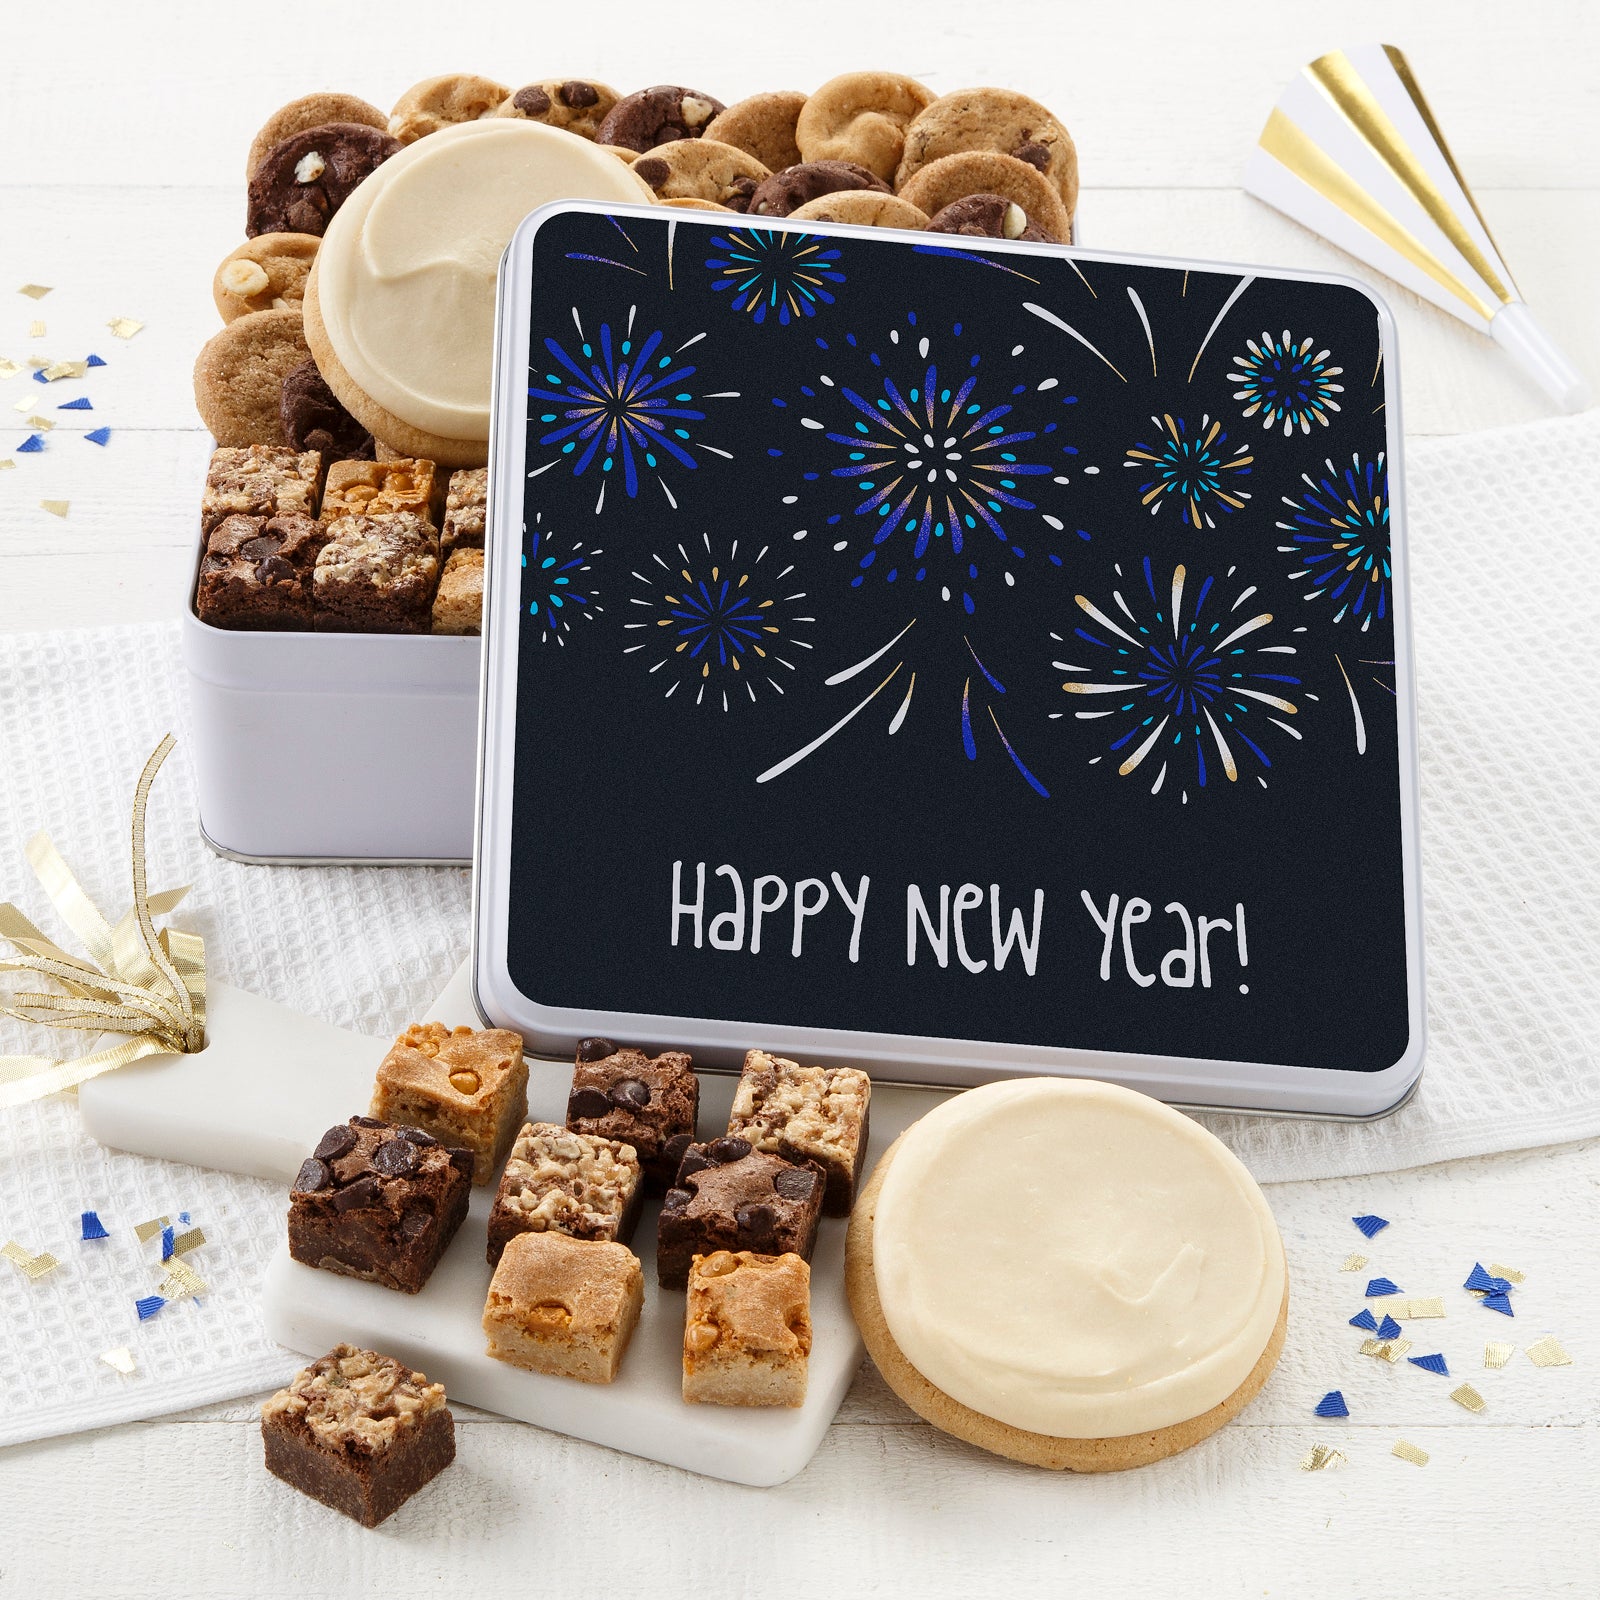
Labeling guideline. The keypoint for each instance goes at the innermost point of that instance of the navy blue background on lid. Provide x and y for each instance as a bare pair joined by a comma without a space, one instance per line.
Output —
1052,598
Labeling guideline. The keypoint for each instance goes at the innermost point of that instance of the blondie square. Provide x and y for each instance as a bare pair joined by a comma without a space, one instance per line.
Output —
378,1202
564,1306
466,509
376,575
359,1432
747,1330
260,480
256,572
559,1181
467,1087
650,1102
730,1197
458,606
806,1114
380,489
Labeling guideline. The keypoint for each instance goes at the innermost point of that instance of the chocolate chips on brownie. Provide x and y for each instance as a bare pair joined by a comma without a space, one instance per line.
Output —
648,1102
256,573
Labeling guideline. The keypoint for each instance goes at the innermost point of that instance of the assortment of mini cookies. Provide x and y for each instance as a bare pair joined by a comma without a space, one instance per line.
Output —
869,148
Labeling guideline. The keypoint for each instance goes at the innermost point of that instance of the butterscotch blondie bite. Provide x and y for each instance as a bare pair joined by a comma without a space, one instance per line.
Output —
458,606
806,1114
558,1181
376,575
466,509
747,1331
380,489
465,1086
564,1306
358,1431
260,480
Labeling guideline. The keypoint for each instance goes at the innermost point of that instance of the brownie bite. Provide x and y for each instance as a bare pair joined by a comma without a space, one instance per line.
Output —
564,1306
378,1202
359,1432
256,572
458,605
380,489
467,1087
260,480
376,575
466,510
747,1330
806,1114
731,1197
558,1181
650,1102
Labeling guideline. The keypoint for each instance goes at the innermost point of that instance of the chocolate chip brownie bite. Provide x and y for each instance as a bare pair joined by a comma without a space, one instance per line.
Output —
658,116
575,105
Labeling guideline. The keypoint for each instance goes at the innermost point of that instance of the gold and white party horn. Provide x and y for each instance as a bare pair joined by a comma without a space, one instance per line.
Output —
1353,152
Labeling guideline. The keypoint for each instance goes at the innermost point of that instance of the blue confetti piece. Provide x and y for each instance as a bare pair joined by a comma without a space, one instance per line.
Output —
1478,1278
1365,1319
1381,1286
38,375
1370,1225
1388,1329
82,403
1332,1405
93,1228
183,1217
1500,1303
1499,1286
98,435
148,1307
95,361
1434,1363
30,446
168,1235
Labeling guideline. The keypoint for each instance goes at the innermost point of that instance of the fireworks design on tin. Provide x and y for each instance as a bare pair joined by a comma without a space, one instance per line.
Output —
772,272
722,628
1191,686
931,463
1339,537
1285,383
557,583
1190,467
620,408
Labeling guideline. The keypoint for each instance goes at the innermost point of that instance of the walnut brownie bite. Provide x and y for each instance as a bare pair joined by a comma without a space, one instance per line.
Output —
380,489
260,480
256,573
650,1102
359,1432
747,1330
376,575
466,510
564,1306
806,1114
458,605
467,1087
558,1181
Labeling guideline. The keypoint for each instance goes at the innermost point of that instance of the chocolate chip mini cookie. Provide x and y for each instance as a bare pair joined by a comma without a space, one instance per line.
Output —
267,273
864,208
794,187
302,180
657,116
861,117
762,126
577,105
702,170
313,419
238,376
997,120
989,216
436,103
310,111
972,172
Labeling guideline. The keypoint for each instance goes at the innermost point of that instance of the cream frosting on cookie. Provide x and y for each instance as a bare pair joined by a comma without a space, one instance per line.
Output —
1075,1259
406,273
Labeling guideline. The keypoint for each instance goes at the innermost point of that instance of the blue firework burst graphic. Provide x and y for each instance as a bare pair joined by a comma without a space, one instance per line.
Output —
771,272
924,464
1193,468
1286,383
1339,539
1183,677
557,582
621,407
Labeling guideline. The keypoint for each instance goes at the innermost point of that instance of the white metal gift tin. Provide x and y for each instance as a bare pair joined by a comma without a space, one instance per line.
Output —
839,515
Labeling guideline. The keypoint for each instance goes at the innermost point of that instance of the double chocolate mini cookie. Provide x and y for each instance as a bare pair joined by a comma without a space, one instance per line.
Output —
985,172
436,103
267,273
996,120
861,117
313,419
239,373
701,170
657,116
302,180
310,111
762,126
576,105
794,187
989,216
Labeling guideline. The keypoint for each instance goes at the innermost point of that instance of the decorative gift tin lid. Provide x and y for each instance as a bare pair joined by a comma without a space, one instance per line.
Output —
961,658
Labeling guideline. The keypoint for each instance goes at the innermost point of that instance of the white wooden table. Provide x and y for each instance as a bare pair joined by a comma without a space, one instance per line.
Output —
123,129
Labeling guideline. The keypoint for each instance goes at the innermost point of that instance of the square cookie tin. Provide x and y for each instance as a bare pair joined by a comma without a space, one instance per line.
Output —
957,658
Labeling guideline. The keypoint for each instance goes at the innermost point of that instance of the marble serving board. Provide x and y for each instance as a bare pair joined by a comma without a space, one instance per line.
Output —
271,1081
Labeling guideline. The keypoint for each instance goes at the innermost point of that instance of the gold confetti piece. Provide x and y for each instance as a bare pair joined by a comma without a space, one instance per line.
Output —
34,291
13,1251
182,1281
8,369
37,362
124,327
121,1360
1469,1397
1391,1350
36,329
1353,1262
1497,1352
26,403
1548,1352
144,1232
43,424
40,1265
1410,1452
1510,1274
1320,1457
7,464
30,1265
185,1242
56,508
1416,1310
65,369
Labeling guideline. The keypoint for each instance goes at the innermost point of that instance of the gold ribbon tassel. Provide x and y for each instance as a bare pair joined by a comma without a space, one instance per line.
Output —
149,985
